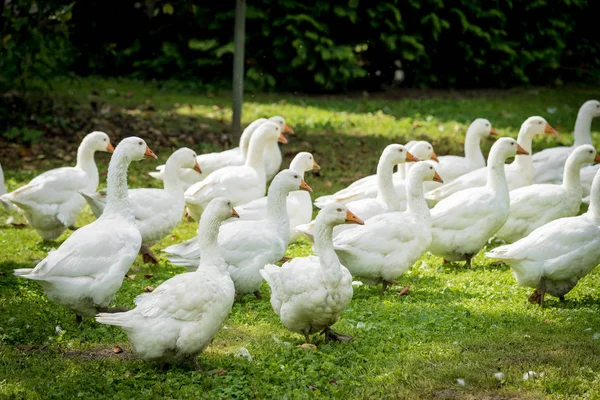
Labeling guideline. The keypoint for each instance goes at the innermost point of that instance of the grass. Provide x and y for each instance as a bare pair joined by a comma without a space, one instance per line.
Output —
455,323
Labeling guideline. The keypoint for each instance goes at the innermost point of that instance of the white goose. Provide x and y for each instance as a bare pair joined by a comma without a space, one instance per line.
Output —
555,256
519,173
367,187
310,293
299,203
247,246
157,211
179,319
536,205
86,271
51,201
388,244
549,164
240,184
237,156
463,222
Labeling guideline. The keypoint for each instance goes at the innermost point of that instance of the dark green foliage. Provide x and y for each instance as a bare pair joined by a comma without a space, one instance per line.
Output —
330,45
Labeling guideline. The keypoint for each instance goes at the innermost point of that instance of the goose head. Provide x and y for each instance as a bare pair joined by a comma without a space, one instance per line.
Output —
134,149
397,154
585,154
482,128
285,128
98,141
289,181
337,214
268,132
591,108
424,171
534,126
304,162
220,209
423,151
186,158
505,148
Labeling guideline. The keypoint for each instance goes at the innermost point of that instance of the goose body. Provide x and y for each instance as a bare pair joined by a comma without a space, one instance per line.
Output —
178,320
156,211
86,271
388,244
536,205
549,163
51,201
310,293
240,184
518,174
463,222
299,203
367,187
237,156
555,256
247,246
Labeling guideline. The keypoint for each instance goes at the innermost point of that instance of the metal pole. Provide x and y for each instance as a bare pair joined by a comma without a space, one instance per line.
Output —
238,68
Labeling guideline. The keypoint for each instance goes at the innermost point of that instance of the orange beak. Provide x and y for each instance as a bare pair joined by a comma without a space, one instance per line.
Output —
197,168
110,148
234,213
493,132
287,129
282,138
597,159
149,153
316,167
353,219
434,157
437,178
410,157
521,150
304,186
550,130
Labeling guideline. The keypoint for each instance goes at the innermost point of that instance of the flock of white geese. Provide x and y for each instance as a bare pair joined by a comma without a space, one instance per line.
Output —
373,230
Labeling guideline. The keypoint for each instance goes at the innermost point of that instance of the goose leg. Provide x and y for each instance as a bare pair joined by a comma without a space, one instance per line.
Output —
561,298
385,284
164,367
148,255
258,295
331,335
78,319
285,259
306,337
194,361
542,290
468,261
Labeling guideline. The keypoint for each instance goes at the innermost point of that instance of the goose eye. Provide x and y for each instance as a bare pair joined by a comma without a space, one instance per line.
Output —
104,139
540,122
591,151
339,210
430,167
400,150
296,176
140,143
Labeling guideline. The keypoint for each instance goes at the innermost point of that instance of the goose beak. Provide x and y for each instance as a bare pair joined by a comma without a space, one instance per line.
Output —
197,168
521,150
437,178
287,129
234,213
597,159
304,186
282,138
493,132
550,130
434,157
149,153
110,148
410,157
353,219
316,167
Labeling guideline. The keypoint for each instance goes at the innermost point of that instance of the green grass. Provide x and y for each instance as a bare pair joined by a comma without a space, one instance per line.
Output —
456,323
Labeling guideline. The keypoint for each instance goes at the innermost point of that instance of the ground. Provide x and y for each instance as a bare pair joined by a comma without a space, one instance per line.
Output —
446,339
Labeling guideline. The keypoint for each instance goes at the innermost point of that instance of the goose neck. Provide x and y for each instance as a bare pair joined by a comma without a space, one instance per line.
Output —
583,128
595,197
255,157
415,197
572,175
331,270
496,178
522,161
385,182
171,180
208,235
277,208
117,198
473,151
86,162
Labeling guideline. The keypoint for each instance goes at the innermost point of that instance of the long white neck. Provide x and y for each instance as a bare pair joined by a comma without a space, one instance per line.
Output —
208,235
594,208
255,157
247,134
117,199
496,178
583,128
277,209
171,180
331,270
385,183
572,176
415,197
85,161
524,162
473,147
401,173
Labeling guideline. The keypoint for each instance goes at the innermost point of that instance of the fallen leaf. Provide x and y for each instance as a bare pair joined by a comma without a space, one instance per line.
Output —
327,184
221,372
117,349
547,321
148,276
130,276
18,225
333,382
404,291
307,346
148,289
311,387
127,373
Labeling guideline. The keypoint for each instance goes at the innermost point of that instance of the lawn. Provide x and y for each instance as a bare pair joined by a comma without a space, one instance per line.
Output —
460,333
